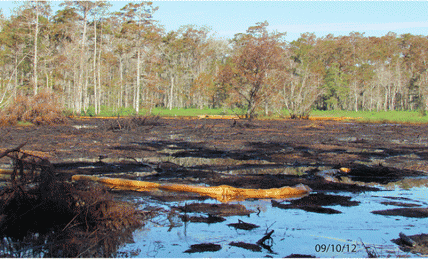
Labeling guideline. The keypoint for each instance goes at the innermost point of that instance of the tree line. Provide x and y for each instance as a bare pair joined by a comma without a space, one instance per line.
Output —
91,57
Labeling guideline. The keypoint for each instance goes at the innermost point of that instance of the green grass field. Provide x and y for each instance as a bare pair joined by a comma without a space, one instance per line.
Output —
363,116
189,112
373,116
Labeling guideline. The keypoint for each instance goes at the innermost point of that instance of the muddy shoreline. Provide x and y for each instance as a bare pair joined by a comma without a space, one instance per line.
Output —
333,158
269,154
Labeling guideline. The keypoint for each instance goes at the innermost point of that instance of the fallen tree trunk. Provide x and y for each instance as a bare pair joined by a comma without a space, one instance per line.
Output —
406,240
29,166
223,193
7,151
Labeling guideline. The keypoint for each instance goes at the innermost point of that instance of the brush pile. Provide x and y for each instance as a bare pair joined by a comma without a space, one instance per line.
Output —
39,109
132,123
44,216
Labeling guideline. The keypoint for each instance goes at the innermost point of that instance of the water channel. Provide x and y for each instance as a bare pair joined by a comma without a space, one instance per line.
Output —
296,232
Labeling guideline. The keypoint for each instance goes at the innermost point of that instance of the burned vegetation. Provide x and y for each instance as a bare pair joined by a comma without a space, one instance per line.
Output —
145,123
41,109
44,215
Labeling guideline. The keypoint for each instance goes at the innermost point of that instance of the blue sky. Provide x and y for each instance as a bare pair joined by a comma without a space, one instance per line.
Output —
375,18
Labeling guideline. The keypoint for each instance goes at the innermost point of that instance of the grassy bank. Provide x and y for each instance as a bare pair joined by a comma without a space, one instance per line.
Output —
109,112
373,116
191,112
363,116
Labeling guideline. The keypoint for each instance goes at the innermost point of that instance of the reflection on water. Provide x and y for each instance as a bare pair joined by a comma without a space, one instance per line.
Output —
295,231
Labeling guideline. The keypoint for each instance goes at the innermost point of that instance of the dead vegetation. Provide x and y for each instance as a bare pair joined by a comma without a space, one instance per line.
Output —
42,215
132,123
42,108
272,139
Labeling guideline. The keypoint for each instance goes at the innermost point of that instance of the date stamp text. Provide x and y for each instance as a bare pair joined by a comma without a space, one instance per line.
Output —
338,248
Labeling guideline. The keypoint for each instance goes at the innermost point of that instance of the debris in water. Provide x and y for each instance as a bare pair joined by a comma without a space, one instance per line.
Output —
263,241
406,240
321,199
243,225
222,209
417,244
223,193
404,212
265,238
39,209
195,219
401,204
314,203
118,182
204,247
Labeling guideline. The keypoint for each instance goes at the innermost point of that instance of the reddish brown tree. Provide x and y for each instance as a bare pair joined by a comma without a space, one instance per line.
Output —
255,53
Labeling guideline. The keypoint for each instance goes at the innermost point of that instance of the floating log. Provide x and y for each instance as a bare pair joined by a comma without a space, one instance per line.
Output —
406,240
223,193
221,117
118,182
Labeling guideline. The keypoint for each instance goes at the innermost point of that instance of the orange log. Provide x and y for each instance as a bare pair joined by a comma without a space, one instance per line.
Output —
223,193
119,182
223,117
227,192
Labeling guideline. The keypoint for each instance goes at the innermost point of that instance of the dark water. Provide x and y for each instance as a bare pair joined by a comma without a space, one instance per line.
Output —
295,231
